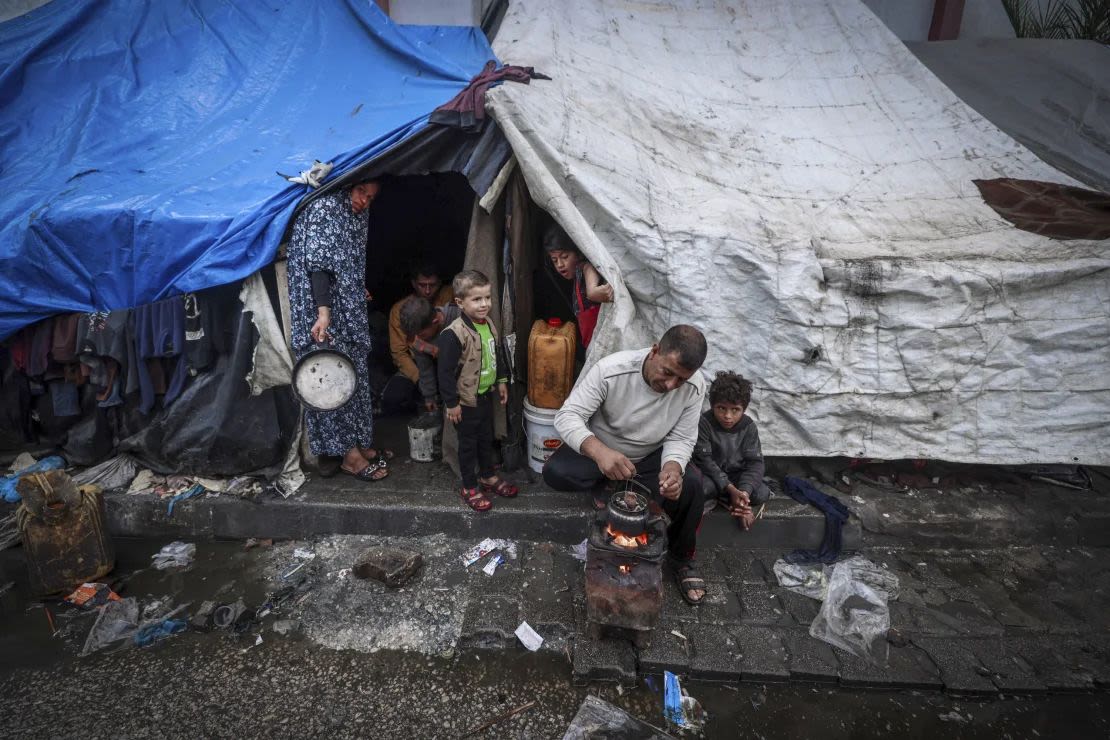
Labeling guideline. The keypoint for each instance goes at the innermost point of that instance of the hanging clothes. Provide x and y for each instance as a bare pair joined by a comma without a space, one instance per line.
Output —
159,333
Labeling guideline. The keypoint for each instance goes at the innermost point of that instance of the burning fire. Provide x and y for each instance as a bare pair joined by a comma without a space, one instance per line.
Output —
623,540
624,569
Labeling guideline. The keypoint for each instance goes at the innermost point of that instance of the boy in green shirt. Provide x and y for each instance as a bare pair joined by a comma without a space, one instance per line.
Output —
470,365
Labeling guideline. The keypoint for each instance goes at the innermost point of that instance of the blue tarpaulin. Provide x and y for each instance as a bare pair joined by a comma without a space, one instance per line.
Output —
140,140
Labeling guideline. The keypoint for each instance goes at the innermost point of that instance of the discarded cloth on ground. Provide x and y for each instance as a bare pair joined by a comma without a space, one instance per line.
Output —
836,516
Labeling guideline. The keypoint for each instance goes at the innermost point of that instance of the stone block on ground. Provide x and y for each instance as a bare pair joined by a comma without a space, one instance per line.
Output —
762,607
668,651
490,621
1062,664
716,654
906,667
1007,669
720,605
605,659
763,657
810,659
392,566
960,670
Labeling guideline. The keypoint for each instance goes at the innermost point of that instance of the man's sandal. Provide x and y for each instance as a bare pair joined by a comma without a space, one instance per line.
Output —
502,488
688,580
475,499
372,472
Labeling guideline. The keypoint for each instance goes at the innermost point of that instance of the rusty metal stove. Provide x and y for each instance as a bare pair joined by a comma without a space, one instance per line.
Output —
624,582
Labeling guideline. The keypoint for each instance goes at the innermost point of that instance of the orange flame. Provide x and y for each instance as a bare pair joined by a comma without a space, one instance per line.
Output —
623,540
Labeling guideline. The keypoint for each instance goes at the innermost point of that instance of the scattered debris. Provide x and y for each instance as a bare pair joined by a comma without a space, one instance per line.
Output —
392,566
679,635
92,595
192,492
174,555
202,618
954,716
118,620
227,615
303,554
679,708
292,571
8,490
579,551
499,718
495,559
21,462
253,543
529,637
154,632
10,536
485,547
597,718
256,643
286,626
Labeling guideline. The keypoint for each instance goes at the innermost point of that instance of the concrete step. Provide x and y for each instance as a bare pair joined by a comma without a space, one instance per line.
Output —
418,500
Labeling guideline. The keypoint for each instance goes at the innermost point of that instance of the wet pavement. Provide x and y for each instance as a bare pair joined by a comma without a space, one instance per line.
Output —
362,659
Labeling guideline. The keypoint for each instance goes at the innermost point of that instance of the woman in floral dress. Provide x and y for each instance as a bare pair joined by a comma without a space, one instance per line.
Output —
327,300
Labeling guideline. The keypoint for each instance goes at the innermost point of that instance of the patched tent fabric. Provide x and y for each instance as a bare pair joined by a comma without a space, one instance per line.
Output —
141,140
790,178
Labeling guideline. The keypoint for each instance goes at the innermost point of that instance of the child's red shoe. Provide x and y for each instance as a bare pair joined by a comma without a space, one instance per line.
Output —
475,499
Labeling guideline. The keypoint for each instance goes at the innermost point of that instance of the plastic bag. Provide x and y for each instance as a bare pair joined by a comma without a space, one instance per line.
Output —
110,475
855,616
810,580
8,485
173,555
118,620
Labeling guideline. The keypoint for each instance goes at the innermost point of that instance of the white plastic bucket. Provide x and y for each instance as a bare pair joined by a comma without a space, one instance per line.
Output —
542,437
424,433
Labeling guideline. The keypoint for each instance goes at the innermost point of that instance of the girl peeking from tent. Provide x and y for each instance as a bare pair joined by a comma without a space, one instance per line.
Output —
589,290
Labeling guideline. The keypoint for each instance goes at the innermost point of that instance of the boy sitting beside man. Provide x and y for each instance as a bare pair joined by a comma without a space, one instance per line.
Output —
728,452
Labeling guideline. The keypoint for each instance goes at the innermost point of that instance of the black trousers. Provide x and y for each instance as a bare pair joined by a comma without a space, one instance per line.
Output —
476,441
566,470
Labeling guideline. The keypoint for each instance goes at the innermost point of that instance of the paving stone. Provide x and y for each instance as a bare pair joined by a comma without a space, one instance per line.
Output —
906,668
552,614
490,621
746,566
667,651
763,657
720,606
1008,670
674,608
810,659
802,608
762,607
1058,662
607,659
716,654
960,670
970,619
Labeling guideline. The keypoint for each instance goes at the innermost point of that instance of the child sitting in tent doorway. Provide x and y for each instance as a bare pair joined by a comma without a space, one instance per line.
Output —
728,452
472,369
589,290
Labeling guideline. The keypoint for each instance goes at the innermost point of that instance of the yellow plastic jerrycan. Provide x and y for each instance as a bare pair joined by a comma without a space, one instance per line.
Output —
551,348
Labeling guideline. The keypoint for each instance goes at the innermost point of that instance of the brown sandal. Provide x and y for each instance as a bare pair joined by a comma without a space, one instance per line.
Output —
502,488
475,499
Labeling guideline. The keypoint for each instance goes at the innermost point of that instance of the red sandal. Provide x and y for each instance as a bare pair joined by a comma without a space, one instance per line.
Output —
475,499
502,488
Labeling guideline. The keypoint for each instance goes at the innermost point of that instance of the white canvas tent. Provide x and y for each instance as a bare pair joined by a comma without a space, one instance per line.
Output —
790,178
